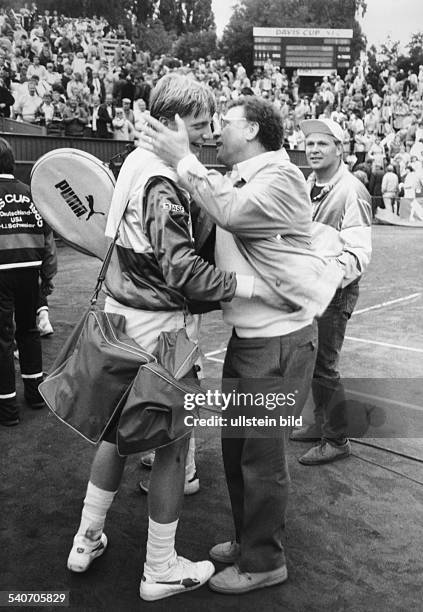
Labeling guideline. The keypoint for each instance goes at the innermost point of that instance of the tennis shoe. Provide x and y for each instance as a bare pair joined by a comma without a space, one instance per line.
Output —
84,551
183,576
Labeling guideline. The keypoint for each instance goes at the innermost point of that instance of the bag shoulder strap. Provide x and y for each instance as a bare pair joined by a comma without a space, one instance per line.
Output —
106,261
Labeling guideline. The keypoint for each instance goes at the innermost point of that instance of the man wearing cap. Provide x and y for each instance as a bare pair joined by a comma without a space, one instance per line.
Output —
127,111
341,218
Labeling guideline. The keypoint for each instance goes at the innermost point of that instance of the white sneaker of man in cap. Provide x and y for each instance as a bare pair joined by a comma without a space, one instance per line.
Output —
341,217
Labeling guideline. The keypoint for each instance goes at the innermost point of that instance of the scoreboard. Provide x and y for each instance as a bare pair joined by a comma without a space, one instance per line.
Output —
310,51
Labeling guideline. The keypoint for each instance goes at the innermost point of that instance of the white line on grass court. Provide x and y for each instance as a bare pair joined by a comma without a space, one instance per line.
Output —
387,344
211,353
387,400
413,296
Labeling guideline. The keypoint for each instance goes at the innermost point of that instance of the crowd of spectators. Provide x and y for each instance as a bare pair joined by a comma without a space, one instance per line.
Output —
64,74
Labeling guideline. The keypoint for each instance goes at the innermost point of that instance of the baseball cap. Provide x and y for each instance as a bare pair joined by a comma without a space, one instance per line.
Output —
322,126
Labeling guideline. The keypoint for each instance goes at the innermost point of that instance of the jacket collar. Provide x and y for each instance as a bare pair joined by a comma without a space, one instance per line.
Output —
248,168
337,177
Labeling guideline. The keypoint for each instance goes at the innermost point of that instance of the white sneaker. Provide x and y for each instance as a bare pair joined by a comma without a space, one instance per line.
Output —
183,576
43,323
84,551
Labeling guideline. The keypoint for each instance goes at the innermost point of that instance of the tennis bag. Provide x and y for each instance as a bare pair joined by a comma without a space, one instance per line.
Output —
92,373
153,409
94,368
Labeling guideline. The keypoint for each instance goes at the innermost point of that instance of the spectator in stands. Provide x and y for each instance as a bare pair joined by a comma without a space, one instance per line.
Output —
94,114
75,118
142,90
389,188
128,88
59,66
413,183
56,125
36,69
127,111
76,87
106,113
118,87
97,87
46,55
78,63
296,140
46,110
360,141
140,108
52,77
376,153
41,86
27,106
66,76
6,99
375,186
64,44
122,128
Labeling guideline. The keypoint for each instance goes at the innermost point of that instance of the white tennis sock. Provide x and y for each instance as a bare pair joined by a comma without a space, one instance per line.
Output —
161,552
96,505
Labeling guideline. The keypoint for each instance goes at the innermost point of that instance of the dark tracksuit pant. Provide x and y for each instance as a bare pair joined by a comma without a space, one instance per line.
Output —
19,294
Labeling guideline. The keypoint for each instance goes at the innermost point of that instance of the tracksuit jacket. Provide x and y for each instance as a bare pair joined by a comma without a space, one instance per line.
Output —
342,220
155,264
25,240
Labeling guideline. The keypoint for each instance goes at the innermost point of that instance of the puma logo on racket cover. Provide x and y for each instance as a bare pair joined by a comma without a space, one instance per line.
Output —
75,204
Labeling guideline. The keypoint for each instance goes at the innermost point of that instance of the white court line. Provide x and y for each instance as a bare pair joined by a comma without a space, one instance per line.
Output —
215,352
413,296
383,399
387,344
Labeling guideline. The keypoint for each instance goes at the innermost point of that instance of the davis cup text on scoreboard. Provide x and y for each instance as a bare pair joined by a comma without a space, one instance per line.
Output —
311,51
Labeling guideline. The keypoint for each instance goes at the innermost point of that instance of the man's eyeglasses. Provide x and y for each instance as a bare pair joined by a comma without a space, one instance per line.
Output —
224,122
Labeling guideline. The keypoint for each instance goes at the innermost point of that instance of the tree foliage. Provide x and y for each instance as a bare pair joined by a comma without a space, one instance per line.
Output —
180,16
154,37
195,44
237,41
415,48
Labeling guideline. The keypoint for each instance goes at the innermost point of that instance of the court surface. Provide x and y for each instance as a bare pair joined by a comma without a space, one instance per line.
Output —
354,529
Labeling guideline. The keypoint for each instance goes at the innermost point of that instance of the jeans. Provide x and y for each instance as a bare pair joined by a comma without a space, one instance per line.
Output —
328,391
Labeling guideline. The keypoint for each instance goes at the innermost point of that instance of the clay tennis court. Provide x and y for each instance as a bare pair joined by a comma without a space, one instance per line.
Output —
354,528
